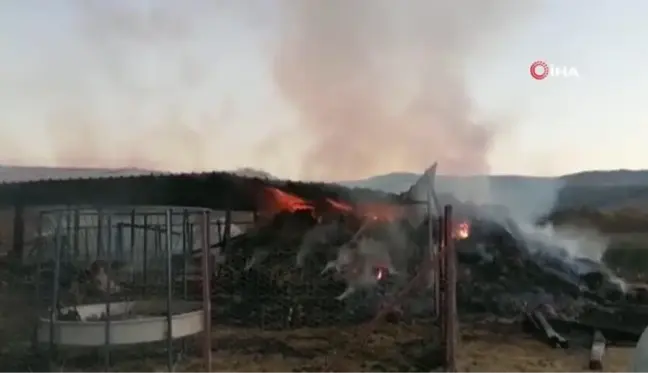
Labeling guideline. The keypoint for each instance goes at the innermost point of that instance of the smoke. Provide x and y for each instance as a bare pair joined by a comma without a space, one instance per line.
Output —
376,85
118,90
380,84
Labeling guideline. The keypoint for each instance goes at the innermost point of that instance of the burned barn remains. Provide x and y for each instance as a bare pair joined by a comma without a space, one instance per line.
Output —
114,277
314,257
322,262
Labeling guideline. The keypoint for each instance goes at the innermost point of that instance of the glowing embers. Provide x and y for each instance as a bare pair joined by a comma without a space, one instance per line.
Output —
461,230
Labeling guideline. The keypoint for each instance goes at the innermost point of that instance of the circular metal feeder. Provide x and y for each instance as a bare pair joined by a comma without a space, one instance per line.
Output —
130,323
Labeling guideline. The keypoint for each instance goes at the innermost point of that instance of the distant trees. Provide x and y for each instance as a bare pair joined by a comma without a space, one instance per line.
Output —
626,220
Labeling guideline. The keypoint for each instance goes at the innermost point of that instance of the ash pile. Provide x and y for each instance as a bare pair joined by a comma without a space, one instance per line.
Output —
317,263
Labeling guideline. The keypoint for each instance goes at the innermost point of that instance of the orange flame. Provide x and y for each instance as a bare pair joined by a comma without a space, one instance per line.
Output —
339,206
278,201
461,231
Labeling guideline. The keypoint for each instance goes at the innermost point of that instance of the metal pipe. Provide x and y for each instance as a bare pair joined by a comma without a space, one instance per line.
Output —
154,228
37,277
228,226
206,285
107,292
68,233
19,230
86,241
145,255
185,252
109,236
75,237
169,284
132,238
119,242
185,262
55,284
39,255
100,253
157,249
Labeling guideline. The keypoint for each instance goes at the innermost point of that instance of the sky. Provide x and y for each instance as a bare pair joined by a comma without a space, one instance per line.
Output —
196,87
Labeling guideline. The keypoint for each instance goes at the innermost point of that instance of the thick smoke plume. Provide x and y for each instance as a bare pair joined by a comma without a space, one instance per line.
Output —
116,90
380,86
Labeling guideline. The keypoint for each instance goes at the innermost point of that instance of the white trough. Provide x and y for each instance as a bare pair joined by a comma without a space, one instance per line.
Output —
129,324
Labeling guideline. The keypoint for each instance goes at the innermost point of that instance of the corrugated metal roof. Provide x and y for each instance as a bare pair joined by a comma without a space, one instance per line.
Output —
17,174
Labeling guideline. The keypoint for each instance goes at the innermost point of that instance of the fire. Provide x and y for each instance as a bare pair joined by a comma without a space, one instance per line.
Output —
278,200
380,273
461,230
339,206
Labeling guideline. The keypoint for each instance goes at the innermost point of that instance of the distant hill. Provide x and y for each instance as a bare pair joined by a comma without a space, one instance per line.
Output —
400,181
598,189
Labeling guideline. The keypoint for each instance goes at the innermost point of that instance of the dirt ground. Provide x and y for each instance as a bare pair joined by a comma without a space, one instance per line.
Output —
391,347
397,348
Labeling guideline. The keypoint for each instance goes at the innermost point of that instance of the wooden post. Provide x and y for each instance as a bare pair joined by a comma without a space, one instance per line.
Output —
438,271
430,255
450,300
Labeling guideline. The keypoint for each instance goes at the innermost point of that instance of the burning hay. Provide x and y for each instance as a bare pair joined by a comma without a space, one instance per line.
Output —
324,262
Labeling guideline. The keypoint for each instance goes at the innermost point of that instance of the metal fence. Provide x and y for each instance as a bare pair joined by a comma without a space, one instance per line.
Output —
327,293
109,278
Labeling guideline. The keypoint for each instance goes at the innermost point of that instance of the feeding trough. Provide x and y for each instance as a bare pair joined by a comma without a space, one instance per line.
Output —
129,323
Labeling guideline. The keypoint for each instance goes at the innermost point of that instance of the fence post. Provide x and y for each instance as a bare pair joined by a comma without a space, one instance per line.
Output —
450,299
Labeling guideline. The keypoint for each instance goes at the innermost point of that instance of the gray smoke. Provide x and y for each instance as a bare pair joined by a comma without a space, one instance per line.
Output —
379,84
116,92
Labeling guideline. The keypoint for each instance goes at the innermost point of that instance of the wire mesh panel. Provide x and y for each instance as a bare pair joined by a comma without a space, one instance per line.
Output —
110,278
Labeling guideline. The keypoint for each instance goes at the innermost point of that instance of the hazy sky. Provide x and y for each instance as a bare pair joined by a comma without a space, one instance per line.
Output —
195,87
